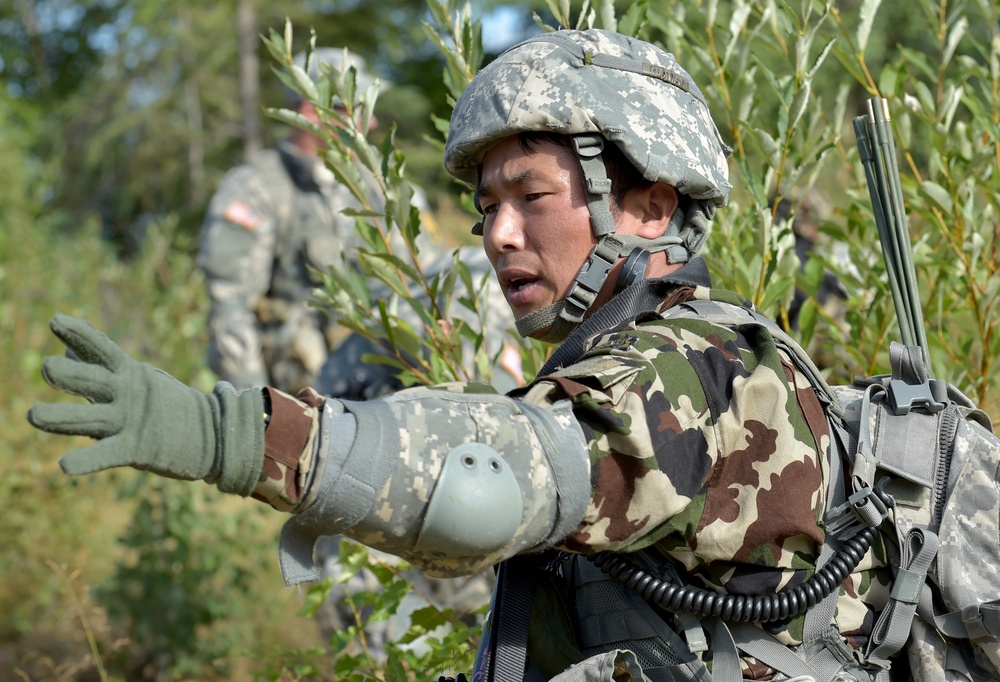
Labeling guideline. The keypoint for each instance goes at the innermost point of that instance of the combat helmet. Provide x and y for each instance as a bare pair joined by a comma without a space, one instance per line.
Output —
599,86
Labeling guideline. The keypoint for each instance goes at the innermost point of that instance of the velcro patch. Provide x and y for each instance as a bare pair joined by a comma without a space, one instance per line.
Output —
241,214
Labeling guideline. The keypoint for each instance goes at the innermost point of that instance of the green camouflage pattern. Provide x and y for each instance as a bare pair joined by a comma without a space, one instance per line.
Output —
707,444
702,441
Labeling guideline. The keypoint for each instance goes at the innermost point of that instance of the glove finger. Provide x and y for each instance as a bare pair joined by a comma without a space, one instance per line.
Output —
71,419
79,378
105,454
87,342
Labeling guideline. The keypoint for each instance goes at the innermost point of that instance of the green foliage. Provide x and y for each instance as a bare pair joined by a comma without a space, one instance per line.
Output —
436,641
178,594
424,323
168,597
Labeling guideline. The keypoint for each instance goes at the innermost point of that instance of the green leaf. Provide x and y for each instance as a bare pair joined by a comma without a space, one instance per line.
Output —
305,84
799,106
315,597
937,195
294,118
807,320
820,58
869,8
394,670
631,23
778,290
955,36
770,147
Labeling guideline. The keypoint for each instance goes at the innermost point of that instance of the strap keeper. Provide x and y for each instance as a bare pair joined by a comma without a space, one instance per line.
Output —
598,186
980,620
588,146
907,586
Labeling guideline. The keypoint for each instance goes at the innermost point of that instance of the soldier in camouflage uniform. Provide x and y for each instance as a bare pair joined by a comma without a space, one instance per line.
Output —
695,447
270,220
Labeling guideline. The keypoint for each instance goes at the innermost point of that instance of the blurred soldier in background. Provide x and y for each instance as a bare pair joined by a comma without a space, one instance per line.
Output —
269,221
831,295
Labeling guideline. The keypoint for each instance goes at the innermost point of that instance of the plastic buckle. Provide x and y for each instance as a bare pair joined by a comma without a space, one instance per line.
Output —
863,509
903,397
588,284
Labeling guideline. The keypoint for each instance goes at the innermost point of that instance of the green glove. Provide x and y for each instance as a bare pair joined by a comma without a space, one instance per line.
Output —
146,419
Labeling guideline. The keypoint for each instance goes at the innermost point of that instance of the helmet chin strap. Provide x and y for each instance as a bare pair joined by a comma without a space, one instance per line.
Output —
556,321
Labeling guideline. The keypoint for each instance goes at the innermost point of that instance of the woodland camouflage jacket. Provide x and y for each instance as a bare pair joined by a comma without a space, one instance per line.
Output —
701,441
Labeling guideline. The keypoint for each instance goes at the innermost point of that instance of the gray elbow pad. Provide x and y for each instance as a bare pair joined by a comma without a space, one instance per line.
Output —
475,506
421,475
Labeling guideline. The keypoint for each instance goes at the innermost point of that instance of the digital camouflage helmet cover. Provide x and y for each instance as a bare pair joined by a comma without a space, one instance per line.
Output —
599,86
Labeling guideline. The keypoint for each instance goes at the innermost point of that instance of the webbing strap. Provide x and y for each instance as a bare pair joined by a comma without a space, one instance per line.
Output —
819,617
725,656
892,629
507,656
975,621
589,149
769,651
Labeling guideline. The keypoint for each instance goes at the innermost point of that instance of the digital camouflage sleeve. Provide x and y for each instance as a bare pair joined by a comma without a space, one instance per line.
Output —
699,440
236,254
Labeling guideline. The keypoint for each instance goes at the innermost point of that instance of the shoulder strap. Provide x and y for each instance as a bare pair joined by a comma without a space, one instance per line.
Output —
503,655
731,315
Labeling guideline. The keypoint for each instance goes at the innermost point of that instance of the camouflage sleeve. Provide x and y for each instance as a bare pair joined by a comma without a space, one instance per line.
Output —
379,461
700,441
236,252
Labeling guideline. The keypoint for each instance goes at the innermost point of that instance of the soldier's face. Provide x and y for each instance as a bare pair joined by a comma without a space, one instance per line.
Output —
536,226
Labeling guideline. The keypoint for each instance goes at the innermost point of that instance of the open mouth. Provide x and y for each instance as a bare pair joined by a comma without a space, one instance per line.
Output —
520,283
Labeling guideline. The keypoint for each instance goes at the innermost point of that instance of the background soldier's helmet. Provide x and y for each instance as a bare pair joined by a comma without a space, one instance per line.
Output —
332,58
626,90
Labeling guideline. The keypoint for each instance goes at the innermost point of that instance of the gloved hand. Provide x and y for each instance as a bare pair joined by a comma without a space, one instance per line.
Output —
146,419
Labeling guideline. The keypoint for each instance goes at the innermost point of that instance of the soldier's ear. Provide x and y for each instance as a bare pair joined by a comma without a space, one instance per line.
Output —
646,212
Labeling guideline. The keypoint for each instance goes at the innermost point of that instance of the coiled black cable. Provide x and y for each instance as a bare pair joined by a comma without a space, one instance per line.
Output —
738,608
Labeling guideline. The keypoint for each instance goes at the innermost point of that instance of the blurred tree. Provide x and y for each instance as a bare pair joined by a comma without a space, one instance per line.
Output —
140,106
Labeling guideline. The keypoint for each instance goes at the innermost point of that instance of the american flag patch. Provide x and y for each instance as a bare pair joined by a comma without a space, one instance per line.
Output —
241,214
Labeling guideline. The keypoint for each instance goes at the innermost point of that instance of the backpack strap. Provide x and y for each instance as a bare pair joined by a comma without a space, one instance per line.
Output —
503,655
982,620
893,626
